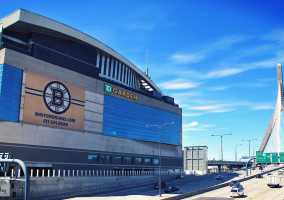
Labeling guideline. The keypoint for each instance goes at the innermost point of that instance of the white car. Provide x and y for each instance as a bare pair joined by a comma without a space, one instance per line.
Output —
237,190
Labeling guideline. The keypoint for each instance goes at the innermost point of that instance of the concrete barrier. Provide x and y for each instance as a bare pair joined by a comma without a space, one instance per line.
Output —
208,189
66,187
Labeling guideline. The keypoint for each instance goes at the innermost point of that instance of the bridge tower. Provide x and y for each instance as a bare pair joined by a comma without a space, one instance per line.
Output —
273,129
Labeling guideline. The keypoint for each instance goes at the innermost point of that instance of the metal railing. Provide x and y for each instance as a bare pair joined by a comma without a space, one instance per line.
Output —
25,172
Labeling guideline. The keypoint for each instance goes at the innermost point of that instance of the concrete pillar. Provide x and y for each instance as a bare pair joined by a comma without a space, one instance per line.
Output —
43,173
48,173
32,172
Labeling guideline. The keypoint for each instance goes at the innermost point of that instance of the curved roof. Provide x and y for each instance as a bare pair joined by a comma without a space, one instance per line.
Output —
25,16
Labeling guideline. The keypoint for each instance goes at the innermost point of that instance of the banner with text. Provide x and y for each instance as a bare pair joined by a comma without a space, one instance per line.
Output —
53,103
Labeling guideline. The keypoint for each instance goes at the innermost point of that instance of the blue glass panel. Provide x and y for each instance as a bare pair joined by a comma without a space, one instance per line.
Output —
1,75
123,118
10,96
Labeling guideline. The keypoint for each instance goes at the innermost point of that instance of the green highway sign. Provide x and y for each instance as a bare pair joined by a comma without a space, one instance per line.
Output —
269,158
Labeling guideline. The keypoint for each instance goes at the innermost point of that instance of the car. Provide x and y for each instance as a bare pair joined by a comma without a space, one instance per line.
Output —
280,172
237,191
259,176
170,189
163,185
234,183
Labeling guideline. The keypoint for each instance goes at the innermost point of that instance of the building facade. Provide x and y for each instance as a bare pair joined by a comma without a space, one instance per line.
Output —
196,159
68,100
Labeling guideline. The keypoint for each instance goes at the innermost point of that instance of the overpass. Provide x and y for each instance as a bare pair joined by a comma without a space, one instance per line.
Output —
229,164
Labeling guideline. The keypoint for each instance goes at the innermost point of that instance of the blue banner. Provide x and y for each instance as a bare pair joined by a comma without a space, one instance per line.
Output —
10,92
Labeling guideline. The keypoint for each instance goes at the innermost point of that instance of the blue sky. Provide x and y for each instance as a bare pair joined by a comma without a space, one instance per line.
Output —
217,58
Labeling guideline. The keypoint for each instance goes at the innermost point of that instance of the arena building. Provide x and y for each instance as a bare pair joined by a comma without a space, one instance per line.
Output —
68,100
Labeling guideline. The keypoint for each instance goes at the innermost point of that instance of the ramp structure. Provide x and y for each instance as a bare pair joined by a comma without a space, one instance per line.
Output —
273,130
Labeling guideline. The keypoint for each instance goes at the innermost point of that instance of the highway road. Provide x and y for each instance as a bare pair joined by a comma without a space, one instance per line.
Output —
255,189
187,184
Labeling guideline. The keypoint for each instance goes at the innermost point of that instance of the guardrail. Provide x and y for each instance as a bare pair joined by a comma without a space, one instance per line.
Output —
26,175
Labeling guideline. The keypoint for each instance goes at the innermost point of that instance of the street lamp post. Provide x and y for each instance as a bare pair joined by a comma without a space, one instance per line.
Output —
160,156
221,138
236,151
249,143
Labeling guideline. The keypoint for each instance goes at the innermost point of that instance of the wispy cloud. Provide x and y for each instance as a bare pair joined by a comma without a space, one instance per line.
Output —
200,55
218,107
196,126
179,84
187,58
219,73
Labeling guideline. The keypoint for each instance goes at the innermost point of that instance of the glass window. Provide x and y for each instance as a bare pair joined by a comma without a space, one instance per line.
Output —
93,157
116,160
103,65
127,160
138,161
108,67
125,72
102,158
130,78
127,75
121,71
156,161
116,70
98,60
113,68
147,161
107,159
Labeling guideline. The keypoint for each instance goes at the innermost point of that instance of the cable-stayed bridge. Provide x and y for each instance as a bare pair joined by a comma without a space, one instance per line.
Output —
271,141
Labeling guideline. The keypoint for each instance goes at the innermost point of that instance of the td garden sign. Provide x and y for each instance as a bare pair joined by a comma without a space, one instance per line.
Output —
52,103
111,90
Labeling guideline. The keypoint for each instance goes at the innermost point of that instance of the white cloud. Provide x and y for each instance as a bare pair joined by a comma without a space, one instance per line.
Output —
262,107
196,126
187,58
179,84
193,110
192,124
224,72
198,56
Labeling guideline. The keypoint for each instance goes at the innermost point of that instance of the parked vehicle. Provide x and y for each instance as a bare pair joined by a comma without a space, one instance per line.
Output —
170,189
237,190
273,181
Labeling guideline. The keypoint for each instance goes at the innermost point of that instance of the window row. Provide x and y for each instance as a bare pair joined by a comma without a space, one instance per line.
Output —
117,71
126,160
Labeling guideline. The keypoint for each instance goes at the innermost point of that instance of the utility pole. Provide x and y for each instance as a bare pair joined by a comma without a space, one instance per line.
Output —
159,127
236,151
249,144
221,138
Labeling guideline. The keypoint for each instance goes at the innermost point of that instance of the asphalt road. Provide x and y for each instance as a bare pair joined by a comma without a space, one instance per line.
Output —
187,184
255,189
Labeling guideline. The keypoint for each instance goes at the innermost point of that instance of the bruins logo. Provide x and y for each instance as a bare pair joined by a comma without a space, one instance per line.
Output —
56,97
